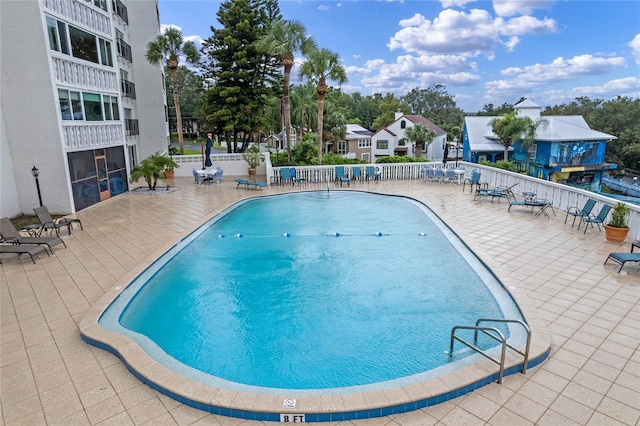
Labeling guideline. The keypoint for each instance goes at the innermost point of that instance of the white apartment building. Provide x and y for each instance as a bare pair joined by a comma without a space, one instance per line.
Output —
78,100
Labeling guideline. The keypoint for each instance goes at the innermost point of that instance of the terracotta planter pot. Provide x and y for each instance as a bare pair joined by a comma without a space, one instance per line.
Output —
169,174
615,235
252,172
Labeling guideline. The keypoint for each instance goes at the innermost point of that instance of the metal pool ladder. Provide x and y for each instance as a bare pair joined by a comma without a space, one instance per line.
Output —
495,334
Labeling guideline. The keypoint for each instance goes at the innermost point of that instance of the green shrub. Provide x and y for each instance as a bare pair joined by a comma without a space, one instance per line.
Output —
392,159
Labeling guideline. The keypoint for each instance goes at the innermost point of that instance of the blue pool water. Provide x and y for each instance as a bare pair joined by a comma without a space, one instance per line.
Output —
311,290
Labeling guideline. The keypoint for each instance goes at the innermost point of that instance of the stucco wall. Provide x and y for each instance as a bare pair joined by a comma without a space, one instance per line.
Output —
30,111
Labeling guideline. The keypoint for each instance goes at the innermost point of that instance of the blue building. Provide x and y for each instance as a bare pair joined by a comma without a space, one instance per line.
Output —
566,150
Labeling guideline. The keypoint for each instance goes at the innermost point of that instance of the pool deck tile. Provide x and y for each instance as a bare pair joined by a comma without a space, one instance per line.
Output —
585,311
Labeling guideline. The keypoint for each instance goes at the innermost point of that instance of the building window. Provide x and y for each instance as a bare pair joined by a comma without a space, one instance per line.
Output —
403,124
70,105
83,44
366,157
364,143
111,111
102,4
78,43
92,106
342,147
96,107
57,36
382,145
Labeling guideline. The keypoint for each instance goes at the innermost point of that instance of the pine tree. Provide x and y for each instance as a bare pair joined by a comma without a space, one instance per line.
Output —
242,76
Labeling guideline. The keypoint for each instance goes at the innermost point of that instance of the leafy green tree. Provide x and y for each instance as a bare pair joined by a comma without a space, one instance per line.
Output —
421,135
304,111
191,88
320,66
509,128
489,109
244,78
168,47
364,108
336,128
388,107
306,152
435,104
282,40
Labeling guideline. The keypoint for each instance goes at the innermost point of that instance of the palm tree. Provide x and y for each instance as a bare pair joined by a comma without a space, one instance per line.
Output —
530,133
151,169
282,41
420,134
320,66
509,128
337,128
168,46
303,115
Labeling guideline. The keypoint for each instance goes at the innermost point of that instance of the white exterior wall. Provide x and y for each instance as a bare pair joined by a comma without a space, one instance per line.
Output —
30,112
33,132
149,105
393,133
8,193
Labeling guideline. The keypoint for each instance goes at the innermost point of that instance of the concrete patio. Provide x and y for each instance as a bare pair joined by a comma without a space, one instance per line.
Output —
50,376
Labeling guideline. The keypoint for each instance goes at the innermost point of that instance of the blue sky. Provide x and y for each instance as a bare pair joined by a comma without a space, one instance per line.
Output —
482,52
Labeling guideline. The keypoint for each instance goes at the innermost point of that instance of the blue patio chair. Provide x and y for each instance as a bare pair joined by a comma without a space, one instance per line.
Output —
341,176
217,177
198,178
371,173
440,174
423,172
451,175
590,219
474,180
356,173
431,174
580,212
285,175
623,258
294,176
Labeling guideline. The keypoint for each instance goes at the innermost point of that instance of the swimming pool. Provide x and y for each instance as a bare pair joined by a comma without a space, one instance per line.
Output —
343,251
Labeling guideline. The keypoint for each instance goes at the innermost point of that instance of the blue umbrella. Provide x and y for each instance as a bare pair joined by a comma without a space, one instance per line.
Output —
207,153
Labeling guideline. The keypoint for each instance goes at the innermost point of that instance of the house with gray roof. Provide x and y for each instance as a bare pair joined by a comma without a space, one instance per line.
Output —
566,150
392,140
357,143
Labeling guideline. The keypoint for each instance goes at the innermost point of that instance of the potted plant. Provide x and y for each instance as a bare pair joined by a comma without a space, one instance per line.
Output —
153,168
253,157
617,228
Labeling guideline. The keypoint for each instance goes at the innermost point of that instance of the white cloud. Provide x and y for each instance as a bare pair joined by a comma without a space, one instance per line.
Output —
163,27
635,47
196,39
629,86
519,7
532,77
410,71
454,3
470,33
323,7
562,69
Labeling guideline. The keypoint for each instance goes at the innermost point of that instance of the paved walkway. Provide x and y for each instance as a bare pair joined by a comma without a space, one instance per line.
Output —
50,376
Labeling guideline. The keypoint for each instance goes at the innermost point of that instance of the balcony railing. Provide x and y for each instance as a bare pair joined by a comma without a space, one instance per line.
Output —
128,89
131,127
124,50
120,10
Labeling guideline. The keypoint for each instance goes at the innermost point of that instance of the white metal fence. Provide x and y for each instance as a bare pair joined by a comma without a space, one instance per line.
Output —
561,196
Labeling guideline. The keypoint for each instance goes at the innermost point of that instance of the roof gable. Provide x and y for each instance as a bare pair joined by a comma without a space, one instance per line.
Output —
418,119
